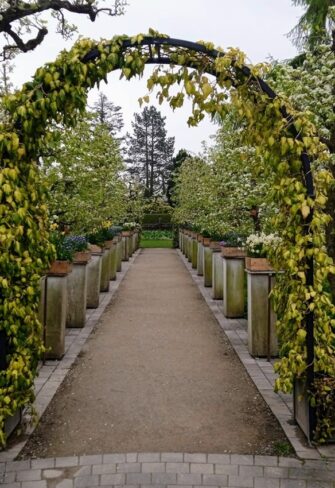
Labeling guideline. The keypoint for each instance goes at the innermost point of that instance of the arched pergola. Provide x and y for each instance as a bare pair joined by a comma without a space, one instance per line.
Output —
58,93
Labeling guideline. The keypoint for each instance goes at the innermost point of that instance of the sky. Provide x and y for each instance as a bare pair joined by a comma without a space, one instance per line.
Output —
257,27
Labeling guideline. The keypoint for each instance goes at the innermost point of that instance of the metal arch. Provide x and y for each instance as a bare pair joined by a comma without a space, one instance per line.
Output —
213,54
306,163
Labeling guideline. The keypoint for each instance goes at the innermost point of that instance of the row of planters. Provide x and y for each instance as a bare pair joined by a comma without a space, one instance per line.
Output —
240,274
230,267
83,269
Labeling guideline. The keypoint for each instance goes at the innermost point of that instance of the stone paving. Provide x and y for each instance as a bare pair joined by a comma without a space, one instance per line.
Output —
314,469
162,470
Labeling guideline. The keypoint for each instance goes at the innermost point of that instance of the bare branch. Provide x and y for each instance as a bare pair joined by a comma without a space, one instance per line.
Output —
19,10
25,46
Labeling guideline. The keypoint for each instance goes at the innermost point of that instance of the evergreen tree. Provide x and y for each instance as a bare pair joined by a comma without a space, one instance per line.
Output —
177,161
315,24
108,114
150,151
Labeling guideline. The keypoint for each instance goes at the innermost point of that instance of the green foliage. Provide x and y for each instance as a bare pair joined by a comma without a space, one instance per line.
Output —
103,233
156,205
83,176
314,25
64,250
226,191
156,235
156,244
233,239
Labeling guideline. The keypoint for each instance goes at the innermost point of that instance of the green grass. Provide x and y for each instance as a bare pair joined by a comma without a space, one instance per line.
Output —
283,448
158,243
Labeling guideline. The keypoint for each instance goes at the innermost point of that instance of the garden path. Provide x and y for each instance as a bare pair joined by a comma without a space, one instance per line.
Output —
158,375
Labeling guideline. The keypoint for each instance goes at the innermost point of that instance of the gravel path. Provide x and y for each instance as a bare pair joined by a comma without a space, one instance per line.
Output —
158,375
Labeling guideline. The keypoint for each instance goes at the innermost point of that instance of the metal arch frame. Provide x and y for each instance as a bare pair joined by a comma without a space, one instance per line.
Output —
212,54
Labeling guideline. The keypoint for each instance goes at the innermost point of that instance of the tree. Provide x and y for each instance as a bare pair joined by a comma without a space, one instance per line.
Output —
84,177
223,191
20,18
108,114
150,151
177,161
314,25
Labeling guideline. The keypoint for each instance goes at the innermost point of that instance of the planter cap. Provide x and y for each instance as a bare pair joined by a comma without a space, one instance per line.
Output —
82,257
95,250
232,252
60,268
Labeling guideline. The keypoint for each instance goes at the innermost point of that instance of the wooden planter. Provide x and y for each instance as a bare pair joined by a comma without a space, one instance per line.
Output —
207,266
200,259
82,257
215,246
60,268
119,253
304,413
12,422
217,291
232,252
262,336
77,292
105,270
257,264
194,251
206,241
113,263
56,308
233,282
94,277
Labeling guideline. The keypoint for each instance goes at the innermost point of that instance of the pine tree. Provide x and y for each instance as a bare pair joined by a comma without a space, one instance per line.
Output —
108,114
177,162
315,23
150,151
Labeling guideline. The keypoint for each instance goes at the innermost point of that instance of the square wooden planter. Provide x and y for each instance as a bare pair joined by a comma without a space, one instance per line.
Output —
304,414
232,252
257,264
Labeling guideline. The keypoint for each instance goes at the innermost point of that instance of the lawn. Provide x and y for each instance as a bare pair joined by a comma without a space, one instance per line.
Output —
156,238
156,243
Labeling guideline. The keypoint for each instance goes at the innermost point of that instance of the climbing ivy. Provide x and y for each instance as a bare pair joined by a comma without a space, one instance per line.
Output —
57,94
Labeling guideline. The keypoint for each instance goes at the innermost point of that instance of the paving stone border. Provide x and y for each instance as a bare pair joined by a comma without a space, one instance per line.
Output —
52,372
165,470
262,374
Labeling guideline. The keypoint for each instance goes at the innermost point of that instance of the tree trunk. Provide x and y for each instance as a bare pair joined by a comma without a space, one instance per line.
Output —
146,160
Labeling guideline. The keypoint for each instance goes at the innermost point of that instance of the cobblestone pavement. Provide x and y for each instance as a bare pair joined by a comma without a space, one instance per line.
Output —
168,470
135,470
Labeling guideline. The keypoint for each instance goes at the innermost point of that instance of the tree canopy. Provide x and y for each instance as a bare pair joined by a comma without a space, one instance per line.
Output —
315,23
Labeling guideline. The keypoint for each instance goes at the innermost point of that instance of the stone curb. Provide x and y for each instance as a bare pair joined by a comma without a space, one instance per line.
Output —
168,469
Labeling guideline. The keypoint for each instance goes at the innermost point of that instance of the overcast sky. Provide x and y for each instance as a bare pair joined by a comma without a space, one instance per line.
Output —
258,27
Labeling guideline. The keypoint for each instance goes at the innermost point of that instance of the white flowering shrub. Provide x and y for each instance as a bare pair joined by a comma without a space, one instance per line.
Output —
258,245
